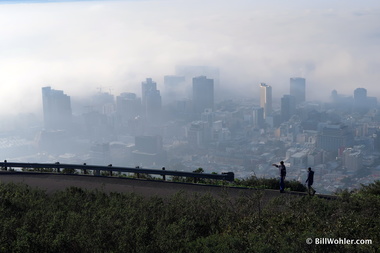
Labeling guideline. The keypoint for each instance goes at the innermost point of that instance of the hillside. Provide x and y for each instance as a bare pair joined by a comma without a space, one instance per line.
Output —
79,220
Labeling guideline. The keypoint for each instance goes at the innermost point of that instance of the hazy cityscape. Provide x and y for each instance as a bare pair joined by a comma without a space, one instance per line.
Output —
181,125
210,84
189,126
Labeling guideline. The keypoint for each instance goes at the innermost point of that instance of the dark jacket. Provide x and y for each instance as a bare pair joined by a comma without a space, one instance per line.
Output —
310,178
282,170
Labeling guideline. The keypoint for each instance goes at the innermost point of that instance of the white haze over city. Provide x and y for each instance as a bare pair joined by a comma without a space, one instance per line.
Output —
81,46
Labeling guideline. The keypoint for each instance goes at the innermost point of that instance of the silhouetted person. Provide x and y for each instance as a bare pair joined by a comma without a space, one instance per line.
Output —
163,176
310,181
282,175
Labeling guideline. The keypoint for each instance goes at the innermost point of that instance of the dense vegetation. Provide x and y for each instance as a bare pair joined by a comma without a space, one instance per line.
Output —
270,183
77,220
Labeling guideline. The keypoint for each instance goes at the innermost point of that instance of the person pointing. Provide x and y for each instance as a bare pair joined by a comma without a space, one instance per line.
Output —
282,175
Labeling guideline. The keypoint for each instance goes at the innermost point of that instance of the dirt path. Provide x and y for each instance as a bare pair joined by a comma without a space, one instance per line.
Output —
51,182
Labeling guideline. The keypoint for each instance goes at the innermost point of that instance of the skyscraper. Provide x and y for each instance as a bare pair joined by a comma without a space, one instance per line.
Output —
151,100
266,99
189,72
153,104
298,89
128,106
258,117
288,107
360,100
56,109
146,87
203,94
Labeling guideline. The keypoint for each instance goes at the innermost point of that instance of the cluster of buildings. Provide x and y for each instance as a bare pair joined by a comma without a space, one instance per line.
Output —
132,130
184,127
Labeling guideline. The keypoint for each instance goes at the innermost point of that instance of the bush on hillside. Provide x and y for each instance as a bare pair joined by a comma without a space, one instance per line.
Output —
270,183
77,220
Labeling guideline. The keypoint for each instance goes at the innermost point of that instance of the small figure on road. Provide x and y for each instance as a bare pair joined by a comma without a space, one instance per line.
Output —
310,181
282,175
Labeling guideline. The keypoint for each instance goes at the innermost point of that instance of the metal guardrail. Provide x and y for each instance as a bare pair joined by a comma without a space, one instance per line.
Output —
228,176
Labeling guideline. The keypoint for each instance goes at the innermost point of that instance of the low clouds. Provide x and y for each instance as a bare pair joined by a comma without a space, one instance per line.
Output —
80,46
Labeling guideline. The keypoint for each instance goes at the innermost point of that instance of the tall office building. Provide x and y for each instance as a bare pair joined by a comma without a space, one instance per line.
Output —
361,100
151,100
189,72
288,107
203,94
128,106
146,87
258,117
266,99
298,89
153,105
334,137
56,109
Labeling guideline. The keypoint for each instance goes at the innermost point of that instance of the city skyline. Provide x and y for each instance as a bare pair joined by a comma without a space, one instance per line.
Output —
339,139
116,44
264,93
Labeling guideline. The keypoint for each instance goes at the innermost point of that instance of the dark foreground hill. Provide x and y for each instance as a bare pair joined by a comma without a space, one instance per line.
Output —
81,220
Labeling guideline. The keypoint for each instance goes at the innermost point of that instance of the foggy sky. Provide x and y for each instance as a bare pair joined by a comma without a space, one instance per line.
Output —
80,46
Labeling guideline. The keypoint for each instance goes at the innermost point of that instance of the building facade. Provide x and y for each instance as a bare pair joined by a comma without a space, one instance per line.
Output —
151,100
128,106
334,137
288,107
203,94
298,89
56,109
266,99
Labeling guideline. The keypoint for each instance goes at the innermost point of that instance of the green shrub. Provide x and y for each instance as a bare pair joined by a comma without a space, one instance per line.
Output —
270,183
